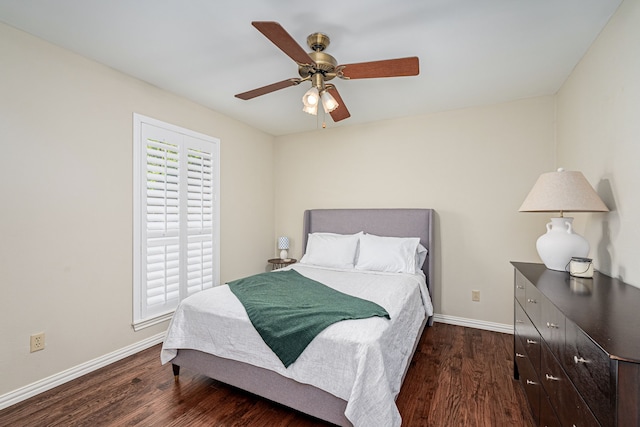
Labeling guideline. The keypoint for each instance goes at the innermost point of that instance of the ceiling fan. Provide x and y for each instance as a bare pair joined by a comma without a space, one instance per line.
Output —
320,67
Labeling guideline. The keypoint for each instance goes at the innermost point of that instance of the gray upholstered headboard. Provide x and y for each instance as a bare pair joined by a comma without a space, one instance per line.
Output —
382,222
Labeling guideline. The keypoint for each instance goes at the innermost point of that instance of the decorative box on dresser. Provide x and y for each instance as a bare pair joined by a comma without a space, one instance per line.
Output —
577,347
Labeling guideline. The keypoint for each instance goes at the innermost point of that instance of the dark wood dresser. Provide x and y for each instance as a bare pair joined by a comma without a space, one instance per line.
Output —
577,347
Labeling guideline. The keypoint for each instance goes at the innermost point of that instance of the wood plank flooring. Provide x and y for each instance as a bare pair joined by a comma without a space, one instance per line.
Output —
458,377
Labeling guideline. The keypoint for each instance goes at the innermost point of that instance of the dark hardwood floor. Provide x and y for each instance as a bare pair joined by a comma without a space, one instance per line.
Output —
458,377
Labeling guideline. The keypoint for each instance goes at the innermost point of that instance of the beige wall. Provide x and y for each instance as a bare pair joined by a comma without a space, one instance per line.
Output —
65,234
66,200
599,134
473,166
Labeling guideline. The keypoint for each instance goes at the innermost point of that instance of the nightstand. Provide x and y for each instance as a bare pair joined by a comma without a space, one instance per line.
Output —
277,263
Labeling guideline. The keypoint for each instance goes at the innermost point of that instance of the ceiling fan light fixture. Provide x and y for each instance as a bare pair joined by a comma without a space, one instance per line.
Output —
311,109
328,101
311,97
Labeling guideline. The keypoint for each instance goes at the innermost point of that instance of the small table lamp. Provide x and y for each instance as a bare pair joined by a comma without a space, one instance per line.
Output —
562,191
283,245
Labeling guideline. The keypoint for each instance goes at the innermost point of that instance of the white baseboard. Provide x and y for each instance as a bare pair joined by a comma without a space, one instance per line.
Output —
55,380
472,323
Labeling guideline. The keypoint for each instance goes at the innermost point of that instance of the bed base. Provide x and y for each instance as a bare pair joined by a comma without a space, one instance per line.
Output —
265,383
271,385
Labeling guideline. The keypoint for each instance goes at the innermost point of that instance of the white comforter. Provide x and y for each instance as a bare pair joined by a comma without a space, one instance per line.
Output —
360,361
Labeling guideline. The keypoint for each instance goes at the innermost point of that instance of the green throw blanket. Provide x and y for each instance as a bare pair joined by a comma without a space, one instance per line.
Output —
288,310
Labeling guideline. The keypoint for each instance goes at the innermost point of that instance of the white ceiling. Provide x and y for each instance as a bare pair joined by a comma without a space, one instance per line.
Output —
472,52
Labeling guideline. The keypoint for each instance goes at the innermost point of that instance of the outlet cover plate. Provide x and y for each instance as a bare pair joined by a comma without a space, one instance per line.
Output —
37,342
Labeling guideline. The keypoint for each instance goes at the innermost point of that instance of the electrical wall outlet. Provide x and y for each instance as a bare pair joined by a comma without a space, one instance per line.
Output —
475,296
37,342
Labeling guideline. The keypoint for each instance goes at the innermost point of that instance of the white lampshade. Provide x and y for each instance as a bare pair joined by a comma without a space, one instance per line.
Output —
562,191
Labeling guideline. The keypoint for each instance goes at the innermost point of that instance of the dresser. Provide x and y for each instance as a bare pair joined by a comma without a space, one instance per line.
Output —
577,347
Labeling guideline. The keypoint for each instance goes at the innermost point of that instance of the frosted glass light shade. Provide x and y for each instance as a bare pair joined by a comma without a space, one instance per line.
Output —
310,101
311,97
311,109
329,103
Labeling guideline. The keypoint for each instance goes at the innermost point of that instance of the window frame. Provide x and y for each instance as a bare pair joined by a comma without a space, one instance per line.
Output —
186,140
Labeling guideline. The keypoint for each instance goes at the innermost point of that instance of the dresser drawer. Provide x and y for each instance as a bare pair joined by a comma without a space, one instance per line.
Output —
521,321
529,335
628,394
548,416
589,369
520,355
566,401
520,351
552,326
533,303
519,290
531,385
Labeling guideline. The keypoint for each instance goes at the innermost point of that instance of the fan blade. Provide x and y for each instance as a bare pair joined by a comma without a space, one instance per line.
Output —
341,112
386,68
279,36
268,89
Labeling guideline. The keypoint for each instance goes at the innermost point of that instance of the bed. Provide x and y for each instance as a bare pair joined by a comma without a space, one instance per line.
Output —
323,382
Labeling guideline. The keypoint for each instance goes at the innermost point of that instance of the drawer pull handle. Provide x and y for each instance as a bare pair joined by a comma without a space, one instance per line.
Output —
534,342
532,301
520,355
519,321
551,377
552,325
520,287
529,382
577,360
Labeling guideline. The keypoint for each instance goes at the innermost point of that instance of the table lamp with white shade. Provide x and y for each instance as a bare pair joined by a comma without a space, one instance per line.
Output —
562,191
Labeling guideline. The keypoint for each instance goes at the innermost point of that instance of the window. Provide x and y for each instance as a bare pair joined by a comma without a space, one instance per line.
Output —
176,217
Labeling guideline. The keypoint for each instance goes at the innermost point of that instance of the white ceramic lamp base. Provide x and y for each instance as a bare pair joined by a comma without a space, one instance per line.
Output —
560,243
284,254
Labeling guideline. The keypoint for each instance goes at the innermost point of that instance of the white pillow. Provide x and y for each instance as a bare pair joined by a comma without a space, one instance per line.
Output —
331,250
421,256
388,254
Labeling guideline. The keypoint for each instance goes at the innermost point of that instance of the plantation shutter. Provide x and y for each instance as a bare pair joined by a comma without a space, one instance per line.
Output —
177,220
161,208
199,218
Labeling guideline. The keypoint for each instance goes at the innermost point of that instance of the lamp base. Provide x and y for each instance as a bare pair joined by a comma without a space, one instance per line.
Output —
284,254
560,243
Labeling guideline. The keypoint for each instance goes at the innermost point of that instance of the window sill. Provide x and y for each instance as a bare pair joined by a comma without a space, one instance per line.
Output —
146,323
